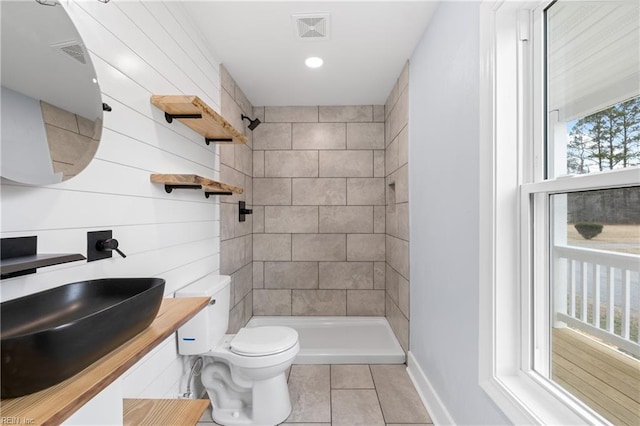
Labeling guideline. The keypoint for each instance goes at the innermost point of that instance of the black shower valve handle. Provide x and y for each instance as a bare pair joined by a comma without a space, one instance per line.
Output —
109,245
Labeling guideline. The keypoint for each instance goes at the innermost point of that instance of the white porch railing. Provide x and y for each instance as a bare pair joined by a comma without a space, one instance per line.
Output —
606,281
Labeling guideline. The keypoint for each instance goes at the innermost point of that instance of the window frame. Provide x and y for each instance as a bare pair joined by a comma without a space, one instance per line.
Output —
513,195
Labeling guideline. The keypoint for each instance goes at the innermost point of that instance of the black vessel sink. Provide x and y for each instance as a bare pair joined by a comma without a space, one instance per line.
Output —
49,336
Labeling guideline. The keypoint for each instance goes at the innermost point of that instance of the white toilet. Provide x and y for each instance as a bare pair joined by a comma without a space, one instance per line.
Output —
243,373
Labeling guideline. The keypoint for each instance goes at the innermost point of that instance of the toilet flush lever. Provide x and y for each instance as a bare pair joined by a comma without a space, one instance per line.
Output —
109,245
212,302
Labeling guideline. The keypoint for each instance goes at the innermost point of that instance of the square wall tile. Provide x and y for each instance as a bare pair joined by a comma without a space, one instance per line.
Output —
319,302
365,135
271,247
398,255
403,146
345,163
228,214
271,302
365,191
392,283
346,219
289,275
272,136
291,219
258,219
391,102
398,322
346,275
230,110
232,255
379,270
291,114
227,154
378,113
322,191
399,116
242,101
345,114
319,136
319,247
242,281
402,184
378,163
258,164
258,274
365,247
244,159
403,296
258,112
271,191
366,302
291,164
379,217
391,157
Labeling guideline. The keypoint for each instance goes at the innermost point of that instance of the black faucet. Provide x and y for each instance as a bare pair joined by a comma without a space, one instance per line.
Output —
109,245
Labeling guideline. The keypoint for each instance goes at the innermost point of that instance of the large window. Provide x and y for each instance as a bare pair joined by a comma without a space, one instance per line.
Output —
585,208
560,210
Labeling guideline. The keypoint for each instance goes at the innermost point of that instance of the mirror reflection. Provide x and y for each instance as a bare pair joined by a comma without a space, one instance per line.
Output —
51,103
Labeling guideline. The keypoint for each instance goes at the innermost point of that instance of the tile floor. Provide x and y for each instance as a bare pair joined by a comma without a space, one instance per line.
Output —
351,395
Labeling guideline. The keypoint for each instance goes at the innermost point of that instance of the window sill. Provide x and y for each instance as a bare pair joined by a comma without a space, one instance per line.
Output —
530,399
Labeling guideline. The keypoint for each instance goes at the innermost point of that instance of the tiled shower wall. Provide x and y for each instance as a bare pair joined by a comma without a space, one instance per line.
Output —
319,211
397,212
236,245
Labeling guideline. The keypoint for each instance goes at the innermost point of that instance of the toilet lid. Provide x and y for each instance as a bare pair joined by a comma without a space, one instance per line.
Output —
257,341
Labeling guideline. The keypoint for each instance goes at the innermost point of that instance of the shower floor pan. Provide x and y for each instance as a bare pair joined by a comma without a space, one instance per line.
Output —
340,340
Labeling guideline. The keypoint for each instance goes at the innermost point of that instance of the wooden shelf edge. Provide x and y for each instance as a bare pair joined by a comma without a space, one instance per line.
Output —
212,125
53,405
206,184
184,412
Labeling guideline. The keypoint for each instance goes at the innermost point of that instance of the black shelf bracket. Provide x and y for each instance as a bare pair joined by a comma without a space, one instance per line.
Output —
214,140
168,188
170,117
208,193
243,211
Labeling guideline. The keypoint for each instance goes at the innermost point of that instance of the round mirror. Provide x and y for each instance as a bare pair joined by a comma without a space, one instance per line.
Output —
51,103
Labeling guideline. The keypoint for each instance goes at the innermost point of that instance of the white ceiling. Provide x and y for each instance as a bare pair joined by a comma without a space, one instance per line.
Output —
368,46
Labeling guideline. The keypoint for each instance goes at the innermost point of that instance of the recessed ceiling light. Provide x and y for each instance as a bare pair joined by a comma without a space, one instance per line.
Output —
314,62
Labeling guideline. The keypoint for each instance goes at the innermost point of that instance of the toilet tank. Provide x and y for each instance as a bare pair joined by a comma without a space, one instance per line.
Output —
204,331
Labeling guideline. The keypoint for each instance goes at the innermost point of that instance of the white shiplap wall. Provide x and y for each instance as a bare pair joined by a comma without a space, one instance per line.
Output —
138,49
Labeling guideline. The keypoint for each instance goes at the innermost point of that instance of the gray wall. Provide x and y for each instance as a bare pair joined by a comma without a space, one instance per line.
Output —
444,211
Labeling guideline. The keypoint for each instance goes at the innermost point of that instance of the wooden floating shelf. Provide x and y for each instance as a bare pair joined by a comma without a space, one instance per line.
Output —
183,412
194,113
209,186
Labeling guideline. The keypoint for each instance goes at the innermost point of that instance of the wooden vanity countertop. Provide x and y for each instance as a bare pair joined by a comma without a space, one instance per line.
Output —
53,405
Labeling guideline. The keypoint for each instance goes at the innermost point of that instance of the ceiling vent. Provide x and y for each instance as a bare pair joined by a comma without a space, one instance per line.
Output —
72,49
311,26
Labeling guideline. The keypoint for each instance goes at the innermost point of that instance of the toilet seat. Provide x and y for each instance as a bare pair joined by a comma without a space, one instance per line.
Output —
263,341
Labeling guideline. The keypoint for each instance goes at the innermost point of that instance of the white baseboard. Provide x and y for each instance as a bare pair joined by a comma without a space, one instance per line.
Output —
435,407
